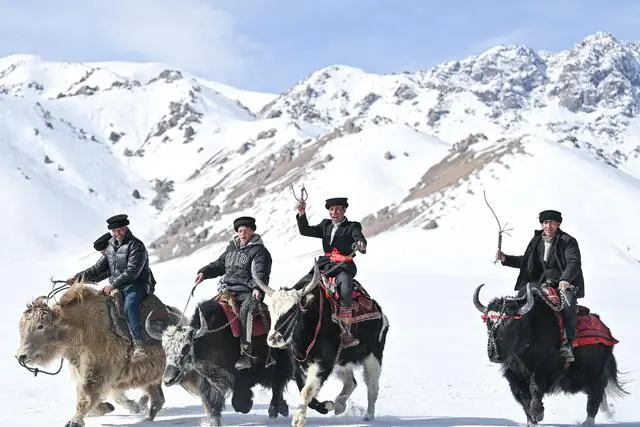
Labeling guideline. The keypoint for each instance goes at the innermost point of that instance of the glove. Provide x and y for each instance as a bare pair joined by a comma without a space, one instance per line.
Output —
361,246
564,285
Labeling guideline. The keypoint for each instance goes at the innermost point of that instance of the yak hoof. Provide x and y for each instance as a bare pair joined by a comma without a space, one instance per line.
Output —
368,417
283,408
74,424
536,411
339,407
298,420
273,411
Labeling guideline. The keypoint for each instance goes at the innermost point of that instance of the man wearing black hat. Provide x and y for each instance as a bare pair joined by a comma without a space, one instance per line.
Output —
244,249
552,256
126,262
339,237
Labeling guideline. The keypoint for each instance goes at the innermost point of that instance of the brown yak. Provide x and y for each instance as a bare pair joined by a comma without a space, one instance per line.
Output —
78,329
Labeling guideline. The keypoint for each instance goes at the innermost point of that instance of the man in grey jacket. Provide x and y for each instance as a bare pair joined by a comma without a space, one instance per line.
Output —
126,262
235,264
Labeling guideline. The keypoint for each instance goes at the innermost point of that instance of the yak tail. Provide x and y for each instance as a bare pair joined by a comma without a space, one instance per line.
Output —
615,384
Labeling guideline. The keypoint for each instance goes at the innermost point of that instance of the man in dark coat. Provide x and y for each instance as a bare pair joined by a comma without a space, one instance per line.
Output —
244,249
552,256
126,262
339,237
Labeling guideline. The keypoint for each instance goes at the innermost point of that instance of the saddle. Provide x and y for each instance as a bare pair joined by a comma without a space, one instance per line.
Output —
364,307
260,316
118,317
590,329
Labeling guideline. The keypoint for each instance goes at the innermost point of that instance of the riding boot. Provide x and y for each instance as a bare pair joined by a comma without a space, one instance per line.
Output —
270,359
569,315
347,339
244,362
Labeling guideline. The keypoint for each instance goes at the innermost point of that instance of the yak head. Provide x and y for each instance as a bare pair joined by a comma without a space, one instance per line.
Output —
507,327
177,344
41,333
285,307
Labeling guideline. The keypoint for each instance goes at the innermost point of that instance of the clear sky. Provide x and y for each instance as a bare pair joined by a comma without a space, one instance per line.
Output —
268,45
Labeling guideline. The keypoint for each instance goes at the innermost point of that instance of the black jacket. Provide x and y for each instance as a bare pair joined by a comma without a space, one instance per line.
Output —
347,234
564,262
235,265
125,264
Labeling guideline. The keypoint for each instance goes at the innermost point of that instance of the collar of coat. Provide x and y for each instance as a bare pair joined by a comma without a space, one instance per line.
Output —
255,240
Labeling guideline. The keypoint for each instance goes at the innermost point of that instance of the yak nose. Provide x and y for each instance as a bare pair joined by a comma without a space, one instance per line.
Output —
275,339
171,375
21,357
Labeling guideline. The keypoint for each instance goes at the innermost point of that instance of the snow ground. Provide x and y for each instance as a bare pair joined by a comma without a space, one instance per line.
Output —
435,371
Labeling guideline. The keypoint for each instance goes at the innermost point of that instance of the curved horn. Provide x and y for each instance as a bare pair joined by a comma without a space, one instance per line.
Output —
153,330
266,289
313,283
476,300
529,305
204,328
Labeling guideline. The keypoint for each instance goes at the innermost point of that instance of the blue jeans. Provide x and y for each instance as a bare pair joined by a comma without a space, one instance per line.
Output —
132,299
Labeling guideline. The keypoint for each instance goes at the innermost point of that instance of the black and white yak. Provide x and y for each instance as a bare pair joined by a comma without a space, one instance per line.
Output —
303,321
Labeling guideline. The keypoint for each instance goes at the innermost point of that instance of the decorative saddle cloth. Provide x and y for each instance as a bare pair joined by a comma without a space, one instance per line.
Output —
590,329
261,320
364,307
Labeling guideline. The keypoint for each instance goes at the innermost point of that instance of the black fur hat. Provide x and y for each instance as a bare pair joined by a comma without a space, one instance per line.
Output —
336,201
244,220
102,242
117,221
550,215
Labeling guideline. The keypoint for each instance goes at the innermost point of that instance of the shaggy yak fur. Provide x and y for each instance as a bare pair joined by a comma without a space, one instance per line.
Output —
78,330
207,347
524,338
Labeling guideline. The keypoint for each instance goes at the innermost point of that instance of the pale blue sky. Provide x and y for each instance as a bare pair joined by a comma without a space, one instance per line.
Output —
268,45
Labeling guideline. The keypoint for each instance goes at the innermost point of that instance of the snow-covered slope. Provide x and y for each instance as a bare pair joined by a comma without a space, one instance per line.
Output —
193,154
413,152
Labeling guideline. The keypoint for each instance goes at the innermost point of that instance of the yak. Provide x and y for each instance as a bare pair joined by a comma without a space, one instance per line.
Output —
524,336
304,325
208,347
79,328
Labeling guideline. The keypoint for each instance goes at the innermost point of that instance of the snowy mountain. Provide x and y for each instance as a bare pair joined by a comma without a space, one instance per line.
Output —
184,156
414,153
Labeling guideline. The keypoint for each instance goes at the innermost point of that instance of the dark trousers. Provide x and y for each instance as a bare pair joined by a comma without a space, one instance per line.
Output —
344,282
570,316
248,306
132,299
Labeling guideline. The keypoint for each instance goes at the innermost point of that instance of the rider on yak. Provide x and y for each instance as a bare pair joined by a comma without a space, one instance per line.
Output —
552,256
339,237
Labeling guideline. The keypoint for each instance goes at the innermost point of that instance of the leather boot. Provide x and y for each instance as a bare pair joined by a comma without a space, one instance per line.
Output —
270,360
347,339
566,351
244,362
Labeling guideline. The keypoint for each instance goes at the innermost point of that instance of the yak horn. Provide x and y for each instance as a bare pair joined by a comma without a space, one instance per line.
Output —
204,328
529,305
314,281
154,331
476,300
266,289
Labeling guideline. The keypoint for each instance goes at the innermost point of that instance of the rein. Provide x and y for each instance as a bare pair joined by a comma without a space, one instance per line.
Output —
317,331
36,371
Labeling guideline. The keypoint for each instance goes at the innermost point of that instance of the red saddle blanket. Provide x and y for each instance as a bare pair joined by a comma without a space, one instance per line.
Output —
590,329
261,318
364,307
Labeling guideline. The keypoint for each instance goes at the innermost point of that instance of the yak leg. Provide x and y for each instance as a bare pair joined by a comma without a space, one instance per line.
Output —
595,399
121,399
536,408
101,409
372,370
349,384
312,384
520,391
320,407
89,392
212,400
156,400
278,405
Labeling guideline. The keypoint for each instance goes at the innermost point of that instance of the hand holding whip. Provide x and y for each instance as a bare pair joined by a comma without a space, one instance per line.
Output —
501,230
